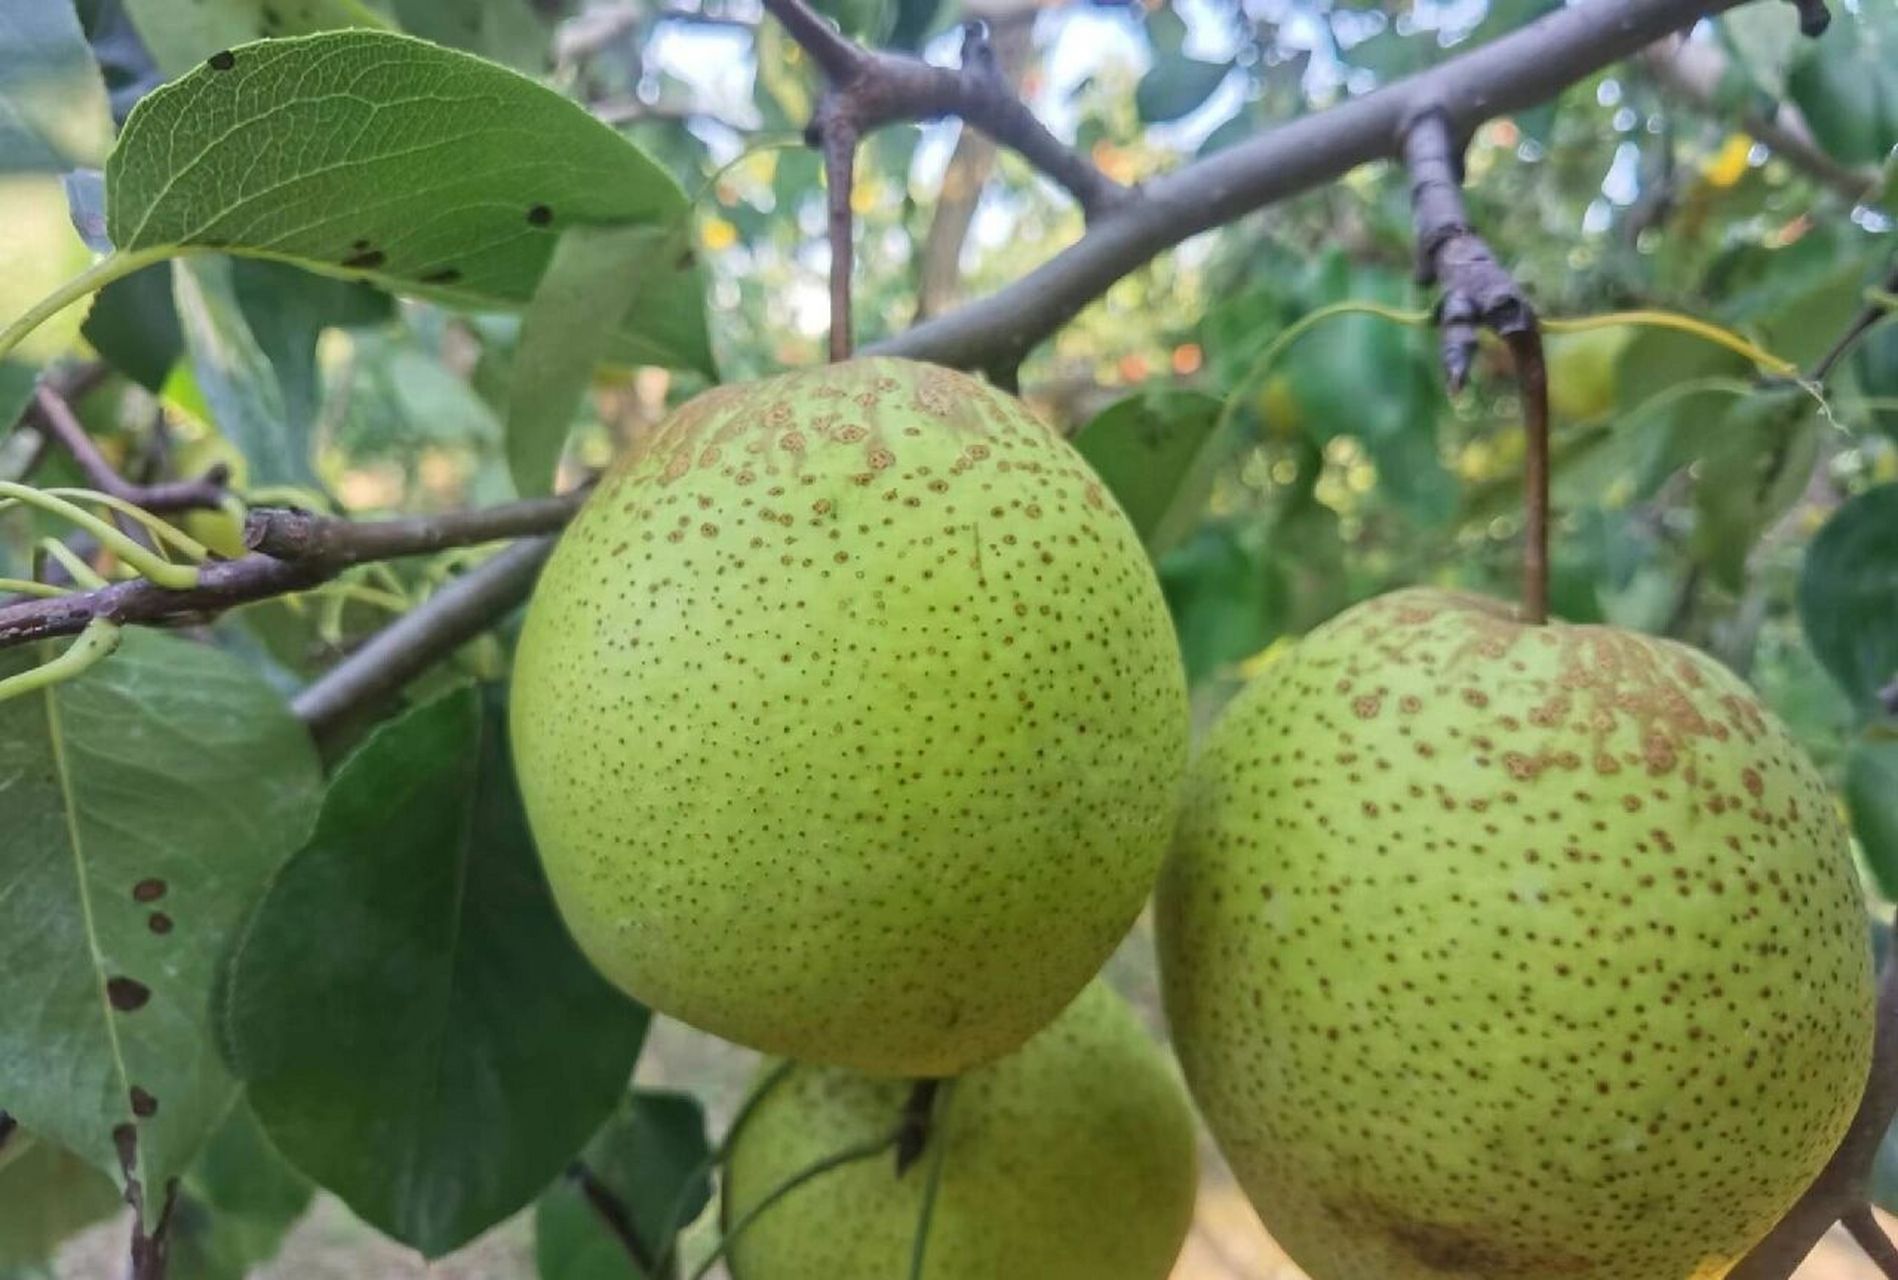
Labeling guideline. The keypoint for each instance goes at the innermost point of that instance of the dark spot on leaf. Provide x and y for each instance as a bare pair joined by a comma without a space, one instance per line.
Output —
367,260
540,215
149,890
687,261
445,275
144,1106
360,245
223,60
125,1141
159,923
127,994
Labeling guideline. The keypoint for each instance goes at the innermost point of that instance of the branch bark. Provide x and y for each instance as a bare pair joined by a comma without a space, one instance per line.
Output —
315,549
54,415
1519,70
869,89
422,637
938,272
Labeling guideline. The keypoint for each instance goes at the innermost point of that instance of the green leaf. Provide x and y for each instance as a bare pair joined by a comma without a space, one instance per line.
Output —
237,1204
1227,601
1871,794
146,803
417,1031
1144,448
1847,83
647,1155
1876,364
1754,462
287,310
594,276
1176,85
507,31
180,36
427,171
53,112
46,1194
1846,591
133,324
240,386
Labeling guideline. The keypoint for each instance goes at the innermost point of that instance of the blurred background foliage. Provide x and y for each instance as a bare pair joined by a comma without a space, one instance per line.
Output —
1692,498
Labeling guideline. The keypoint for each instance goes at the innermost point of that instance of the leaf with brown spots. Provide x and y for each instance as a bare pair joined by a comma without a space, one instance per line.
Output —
117,783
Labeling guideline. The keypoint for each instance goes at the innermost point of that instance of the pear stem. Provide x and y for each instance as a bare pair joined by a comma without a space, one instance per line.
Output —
1871,1237
932,1186
1532,375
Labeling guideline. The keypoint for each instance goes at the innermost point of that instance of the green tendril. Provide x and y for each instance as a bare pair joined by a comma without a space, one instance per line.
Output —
68,559
28,587
96,642
174,577
162,531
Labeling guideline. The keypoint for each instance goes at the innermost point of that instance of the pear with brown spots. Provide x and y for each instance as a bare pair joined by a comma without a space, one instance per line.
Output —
1513,952
850,721
1070,1159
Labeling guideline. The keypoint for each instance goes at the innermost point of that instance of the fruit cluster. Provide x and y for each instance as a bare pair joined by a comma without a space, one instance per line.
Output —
852,728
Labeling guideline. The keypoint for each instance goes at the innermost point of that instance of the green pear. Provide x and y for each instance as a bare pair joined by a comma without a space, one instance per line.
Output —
1071,1159
1514,952
850,721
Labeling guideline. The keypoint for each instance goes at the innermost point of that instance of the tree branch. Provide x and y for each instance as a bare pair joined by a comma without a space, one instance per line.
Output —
1693,70
869,89
315,549
1840,1188
1477,291
1516,71
299,535
938,270
422,637
52,413
1864,1228
1862,323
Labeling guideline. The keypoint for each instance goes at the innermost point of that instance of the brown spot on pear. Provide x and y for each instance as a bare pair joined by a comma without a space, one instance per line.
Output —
868,774
1070,1159
1586,994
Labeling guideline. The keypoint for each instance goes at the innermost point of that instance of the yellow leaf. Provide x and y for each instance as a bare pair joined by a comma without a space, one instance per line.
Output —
1728,165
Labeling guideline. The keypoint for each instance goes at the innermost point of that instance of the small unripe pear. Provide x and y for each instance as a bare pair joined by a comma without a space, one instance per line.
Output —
1515,952
1070,1159
850,721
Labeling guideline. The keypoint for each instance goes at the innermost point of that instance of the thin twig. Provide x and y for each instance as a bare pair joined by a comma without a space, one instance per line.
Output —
1509,74
1478,293
1841,1186
300,535
315,549
612,1211
918,1109
422,637
1868,317
869,89
1864,1228
837,1160
932,1186
52,412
